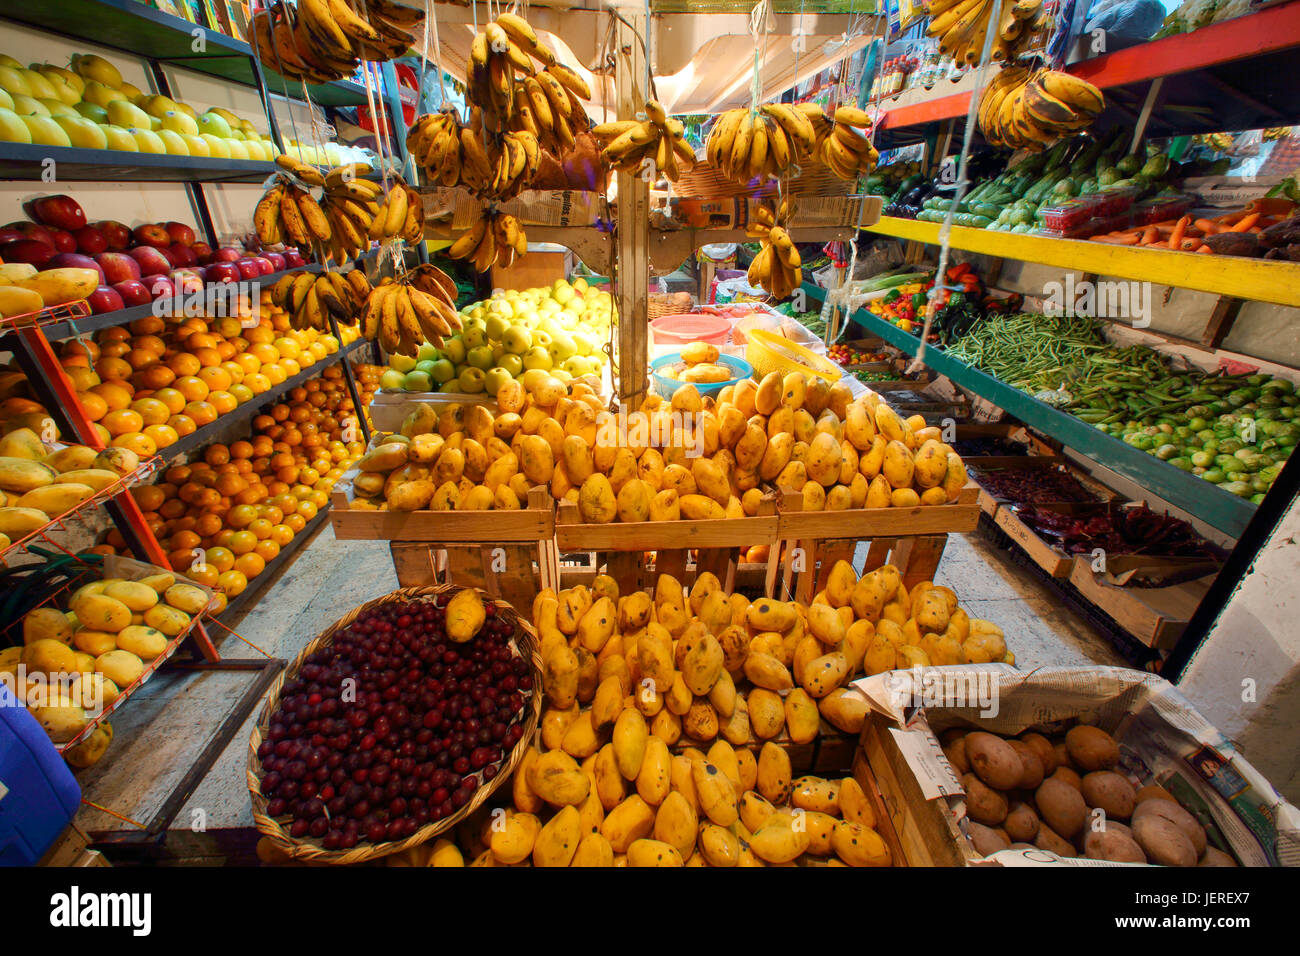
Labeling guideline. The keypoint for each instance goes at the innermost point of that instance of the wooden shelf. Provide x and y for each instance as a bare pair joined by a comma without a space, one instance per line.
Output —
1261,280
1210,503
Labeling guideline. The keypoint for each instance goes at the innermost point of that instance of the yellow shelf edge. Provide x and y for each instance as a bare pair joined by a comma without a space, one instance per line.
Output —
1260,280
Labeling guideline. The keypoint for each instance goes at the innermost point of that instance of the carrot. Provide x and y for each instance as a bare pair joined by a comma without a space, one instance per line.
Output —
1271,206
1208,226
1205,248
1231,218
1245,224
1190,245
1176,237
1125,240
1151,235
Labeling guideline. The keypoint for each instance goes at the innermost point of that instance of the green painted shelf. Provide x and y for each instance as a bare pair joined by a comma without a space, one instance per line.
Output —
1227,512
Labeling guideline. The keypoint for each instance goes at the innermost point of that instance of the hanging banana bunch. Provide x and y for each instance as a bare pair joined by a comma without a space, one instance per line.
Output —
402,314
352,211
845,151
1021,109
777,267
321,40
748,145
495,239
648,147
310,299
506,47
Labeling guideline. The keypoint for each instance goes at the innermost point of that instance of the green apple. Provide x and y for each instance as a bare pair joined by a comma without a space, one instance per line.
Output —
512,363
425,366
454,349
538,357
498,350
212,123
392,379
517,339
471,380
495,379
451,386
561,347
473,336
403,363
480,357
443,371
417,382
496,326
92,111
428,352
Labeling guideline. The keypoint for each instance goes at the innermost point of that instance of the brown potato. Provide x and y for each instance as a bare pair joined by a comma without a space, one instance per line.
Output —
1111,792
983,805
1043,747
1021,823
994,761
986,839
1061,807
1091,748
1048,839
1178,816
1163,841
1113,845
1033,772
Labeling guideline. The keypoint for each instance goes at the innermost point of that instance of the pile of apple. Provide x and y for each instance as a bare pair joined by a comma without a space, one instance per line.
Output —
559,328
135,266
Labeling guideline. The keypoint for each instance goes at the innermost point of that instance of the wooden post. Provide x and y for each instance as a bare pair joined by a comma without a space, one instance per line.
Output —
633,219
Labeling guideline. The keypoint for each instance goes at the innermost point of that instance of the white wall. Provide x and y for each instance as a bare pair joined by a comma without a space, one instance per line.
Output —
1254,646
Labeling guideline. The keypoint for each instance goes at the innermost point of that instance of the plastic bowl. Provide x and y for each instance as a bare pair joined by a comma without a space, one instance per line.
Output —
666,386
682,328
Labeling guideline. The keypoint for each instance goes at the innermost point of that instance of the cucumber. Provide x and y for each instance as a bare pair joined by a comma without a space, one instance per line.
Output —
987,210
980,222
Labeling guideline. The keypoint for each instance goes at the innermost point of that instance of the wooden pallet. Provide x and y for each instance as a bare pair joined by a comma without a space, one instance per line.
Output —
509,554
683,548
911,539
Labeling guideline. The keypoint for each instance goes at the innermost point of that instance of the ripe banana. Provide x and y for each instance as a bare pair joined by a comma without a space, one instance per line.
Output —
402,313
777,267
495,239
649,148
322,40
1024,110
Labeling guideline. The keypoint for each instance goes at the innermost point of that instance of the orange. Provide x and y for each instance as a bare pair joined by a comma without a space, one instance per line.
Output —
148,497
286,502
202,412
155,376
178,474
281,534
149,343
141,358
204,574
151,411
260,335
184,540
86,352
261,528
216,377
117,395
290,366
184,364
241,449
241,392
223,401
93,405
110,369
318,497
208,357
199,340
267,550
271,513
241,516
250,565
231,484
162,435
307,509
295,521
114,350
251,495
123,421
232,583
242,542
183,424
146,325
222,538
274,373
194,389
216,454
223,559
249,363
208,525
172,398
257,383
234,370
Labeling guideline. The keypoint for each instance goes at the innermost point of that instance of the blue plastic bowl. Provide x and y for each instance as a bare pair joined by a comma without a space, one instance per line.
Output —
665,386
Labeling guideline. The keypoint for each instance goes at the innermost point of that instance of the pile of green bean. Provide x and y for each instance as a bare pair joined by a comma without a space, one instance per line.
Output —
1033,352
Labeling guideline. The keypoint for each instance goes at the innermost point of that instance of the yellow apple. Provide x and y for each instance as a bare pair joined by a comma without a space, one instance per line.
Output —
218,148
147,140
198,146
119,138
12,127
46,132
178,122
99,94
72,79
123,113
7,60
257,150
12,81
237,149
6,101
187,110
39,85
58,108
173,143
82,132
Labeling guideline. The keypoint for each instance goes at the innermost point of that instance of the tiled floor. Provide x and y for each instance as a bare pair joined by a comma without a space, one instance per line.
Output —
161,732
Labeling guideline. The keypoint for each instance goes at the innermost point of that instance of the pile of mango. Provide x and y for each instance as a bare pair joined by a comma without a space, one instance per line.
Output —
40,481
689,457
73,663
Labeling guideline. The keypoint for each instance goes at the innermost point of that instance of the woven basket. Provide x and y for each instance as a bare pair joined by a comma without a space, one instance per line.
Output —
309,850
706,181
669,303
769,353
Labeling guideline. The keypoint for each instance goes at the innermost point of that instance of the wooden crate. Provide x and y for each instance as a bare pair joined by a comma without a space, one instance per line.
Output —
912,539
1051,559
621,549
926,830
509,554
1155,616
1103,492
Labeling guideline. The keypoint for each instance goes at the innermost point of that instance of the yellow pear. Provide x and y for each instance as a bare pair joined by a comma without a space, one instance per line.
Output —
96,68
82,132
119,138
147,140
46,132
101,95
27,106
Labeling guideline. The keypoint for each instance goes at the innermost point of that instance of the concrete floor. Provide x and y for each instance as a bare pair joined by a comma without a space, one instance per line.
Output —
160,733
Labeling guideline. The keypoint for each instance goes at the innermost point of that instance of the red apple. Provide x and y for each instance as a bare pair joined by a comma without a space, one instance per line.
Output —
133,292
62,212
248,268
151,234
182,254
118,267
32,230
64,241
159,286
226,254
293,259
179,232
187,281
276,260
118,234
221,272
106,299
90,240
73,260
264,265
31,251
202,251
152,261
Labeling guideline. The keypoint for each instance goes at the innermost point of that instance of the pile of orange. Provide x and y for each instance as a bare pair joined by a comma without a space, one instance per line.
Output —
223,516
150,383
